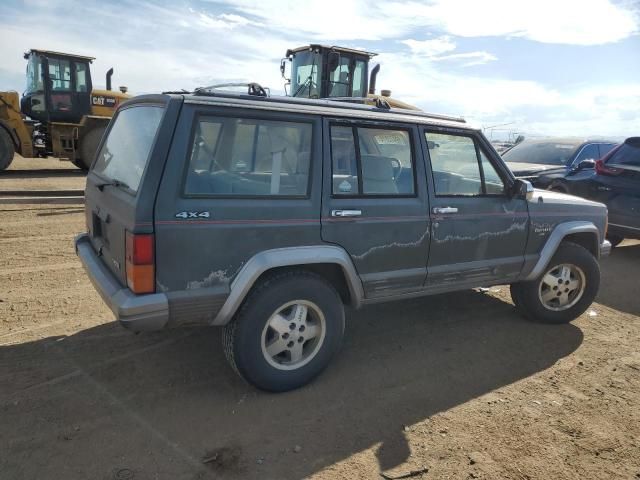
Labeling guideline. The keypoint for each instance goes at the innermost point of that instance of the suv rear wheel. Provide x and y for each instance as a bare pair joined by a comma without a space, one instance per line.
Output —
564,291
286,332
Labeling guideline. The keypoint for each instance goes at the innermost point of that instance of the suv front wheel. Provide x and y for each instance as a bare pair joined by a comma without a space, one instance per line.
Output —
564,291
286,332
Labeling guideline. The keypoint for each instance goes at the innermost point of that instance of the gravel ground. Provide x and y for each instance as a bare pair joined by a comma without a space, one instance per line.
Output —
458,384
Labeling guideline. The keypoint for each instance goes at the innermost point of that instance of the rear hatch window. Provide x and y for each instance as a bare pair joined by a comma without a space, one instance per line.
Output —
125,152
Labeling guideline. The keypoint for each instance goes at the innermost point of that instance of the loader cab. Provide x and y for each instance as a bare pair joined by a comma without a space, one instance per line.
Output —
58,87
318,71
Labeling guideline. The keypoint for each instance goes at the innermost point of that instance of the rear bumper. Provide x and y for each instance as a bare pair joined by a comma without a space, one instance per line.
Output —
135,312
605,248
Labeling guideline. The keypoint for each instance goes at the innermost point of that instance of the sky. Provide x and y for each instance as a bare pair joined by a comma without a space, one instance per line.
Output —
538,67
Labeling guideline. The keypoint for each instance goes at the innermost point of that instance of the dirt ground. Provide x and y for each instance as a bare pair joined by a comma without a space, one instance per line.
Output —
456,383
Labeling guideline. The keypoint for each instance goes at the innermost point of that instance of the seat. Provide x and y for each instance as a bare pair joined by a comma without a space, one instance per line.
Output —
377,175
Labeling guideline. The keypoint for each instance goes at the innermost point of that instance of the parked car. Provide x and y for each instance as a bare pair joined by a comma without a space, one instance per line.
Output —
549,162
269,215
616,183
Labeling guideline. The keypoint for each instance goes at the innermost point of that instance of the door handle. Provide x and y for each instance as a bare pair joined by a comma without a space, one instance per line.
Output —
445,210
346,213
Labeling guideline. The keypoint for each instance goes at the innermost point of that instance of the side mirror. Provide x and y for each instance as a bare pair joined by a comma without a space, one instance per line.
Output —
523,189
283,67
587,164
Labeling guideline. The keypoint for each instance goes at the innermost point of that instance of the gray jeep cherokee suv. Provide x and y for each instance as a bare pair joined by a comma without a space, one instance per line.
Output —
269,215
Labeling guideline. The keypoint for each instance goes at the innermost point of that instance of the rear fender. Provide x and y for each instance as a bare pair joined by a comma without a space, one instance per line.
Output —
286,257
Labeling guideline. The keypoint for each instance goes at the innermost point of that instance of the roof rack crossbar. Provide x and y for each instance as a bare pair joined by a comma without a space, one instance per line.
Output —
254,89
377,101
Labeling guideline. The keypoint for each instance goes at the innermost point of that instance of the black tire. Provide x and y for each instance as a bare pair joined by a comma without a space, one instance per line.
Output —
7,149
243,337
527,298
516,294
615,239
88,147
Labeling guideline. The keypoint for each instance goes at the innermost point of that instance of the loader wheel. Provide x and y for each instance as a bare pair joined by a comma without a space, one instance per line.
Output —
7,149
88,148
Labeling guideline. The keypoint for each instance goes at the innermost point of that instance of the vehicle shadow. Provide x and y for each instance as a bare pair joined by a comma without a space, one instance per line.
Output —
619,287
104,400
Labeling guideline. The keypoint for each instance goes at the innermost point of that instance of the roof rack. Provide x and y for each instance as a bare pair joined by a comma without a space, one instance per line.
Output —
254,89
356,103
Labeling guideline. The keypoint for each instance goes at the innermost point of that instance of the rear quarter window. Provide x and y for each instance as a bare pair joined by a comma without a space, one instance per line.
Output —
244,157
125,152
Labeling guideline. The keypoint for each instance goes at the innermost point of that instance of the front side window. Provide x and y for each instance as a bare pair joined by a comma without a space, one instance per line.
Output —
60,75
588,152
249,157
605,148
460,168
371,161
125,153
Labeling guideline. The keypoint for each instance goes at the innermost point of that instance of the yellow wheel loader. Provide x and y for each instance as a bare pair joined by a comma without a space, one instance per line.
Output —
338,73
60,114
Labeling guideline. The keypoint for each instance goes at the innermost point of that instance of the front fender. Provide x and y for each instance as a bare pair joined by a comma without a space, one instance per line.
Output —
554,240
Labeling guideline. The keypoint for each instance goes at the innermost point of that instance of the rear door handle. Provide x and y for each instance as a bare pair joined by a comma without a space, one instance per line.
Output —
445,210
346,213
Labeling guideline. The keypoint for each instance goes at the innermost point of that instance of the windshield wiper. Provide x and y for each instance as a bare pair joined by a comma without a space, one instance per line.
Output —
112,183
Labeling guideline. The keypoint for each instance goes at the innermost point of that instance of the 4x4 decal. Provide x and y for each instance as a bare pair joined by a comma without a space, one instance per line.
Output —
186,215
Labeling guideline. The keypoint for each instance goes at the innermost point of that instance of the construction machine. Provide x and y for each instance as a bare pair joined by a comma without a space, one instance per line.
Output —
338,73
60,114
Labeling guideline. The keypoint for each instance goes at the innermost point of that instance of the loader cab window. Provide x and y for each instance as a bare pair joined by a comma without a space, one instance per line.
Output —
305,76
60,75
348,79
34,74
81,78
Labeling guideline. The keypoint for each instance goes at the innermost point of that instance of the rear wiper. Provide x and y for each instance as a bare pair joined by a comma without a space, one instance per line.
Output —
112,183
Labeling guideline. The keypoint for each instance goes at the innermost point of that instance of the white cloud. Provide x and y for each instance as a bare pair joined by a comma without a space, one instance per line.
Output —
587,110
430,48
577,22
470,58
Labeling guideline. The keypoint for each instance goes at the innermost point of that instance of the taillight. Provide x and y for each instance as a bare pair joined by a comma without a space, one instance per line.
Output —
601,165
140,266
603,169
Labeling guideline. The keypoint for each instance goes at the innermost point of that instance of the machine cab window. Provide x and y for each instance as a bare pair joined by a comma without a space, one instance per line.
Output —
327,72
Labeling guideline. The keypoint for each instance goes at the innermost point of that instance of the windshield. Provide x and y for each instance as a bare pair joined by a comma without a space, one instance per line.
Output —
305,81
34,74
546,153
125,153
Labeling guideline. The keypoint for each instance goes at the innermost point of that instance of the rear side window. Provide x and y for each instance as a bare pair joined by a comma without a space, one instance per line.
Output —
371,161
125,153
233,156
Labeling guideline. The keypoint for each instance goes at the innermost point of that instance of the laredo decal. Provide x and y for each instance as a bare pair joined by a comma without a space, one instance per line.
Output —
104,101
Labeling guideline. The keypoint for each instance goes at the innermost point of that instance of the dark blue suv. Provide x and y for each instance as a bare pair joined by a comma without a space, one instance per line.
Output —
616,183
552,163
